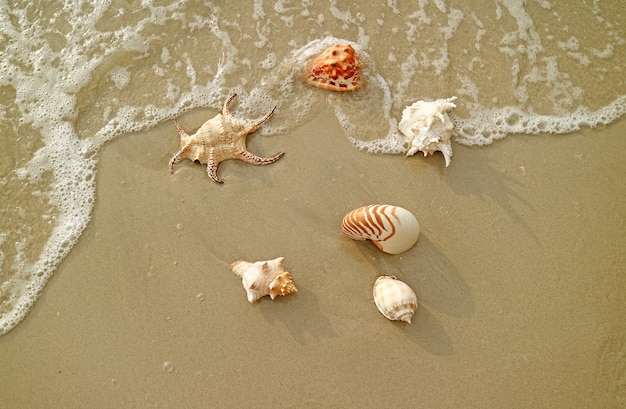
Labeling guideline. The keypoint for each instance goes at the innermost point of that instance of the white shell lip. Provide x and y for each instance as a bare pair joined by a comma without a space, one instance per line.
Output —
393,229
395,299
428,128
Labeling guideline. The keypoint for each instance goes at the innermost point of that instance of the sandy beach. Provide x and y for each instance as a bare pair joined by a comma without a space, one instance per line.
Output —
519,272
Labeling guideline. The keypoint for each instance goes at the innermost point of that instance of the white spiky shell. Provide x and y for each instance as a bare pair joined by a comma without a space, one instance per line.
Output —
392,229
263,278
428,128
394,299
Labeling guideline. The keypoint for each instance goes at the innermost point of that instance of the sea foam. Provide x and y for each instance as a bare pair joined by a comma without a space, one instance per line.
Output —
76,76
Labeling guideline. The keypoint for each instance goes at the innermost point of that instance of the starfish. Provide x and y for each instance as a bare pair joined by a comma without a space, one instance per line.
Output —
220,138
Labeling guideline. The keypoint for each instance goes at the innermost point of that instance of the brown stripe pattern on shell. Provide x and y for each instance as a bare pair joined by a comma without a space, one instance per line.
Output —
392,229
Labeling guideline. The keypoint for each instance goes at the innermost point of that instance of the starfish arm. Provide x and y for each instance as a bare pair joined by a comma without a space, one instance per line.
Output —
179,129
226,109
178,157
252,128
173,161
255,126
252,159
211,170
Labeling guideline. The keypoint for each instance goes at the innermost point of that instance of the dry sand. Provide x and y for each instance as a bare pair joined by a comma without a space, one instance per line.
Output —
519,271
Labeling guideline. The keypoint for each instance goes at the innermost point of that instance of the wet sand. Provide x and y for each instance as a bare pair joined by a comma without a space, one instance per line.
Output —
519,272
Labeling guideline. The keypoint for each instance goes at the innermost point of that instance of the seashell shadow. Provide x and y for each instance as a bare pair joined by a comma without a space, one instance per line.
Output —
435,280
480,177
241,171
427,332
439,287
317,326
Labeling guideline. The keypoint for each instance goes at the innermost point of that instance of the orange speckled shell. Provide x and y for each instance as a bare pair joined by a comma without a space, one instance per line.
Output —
338,68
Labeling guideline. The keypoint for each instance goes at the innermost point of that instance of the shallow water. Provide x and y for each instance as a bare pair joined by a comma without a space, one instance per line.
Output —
77,75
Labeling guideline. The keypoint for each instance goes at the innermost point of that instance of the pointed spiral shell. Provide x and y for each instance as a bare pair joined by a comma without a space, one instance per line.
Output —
392,229
263,278
394,299
282,284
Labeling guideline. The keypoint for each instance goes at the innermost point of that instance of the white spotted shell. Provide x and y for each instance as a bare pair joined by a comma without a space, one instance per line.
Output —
392,229
394,299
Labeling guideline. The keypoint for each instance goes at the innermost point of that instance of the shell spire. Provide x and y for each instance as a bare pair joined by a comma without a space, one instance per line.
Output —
263,278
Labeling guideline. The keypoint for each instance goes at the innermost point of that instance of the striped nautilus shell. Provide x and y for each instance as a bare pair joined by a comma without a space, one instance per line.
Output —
394,299
392,229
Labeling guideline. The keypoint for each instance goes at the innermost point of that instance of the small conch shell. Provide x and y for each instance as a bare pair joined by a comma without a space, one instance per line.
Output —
428,128
392,229
338,68
264,278
395,299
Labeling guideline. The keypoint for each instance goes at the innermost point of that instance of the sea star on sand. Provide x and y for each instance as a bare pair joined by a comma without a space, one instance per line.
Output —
220,138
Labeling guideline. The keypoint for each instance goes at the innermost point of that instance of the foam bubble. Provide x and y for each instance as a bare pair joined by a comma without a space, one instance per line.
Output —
120,77
168,367
269,62
188,56
487,126
60,174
